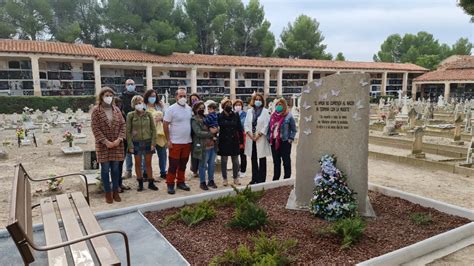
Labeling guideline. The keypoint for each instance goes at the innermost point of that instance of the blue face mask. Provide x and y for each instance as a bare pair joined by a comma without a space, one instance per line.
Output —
152,100
258,103
279,108
130,88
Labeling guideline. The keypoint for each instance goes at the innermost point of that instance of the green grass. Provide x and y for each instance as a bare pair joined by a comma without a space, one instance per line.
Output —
421,218
192,215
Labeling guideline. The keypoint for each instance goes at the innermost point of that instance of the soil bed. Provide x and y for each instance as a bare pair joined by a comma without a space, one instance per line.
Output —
391,230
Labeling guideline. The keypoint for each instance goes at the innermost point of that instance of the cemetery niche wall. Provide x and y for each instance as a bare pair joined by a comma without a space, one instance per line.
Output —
334,120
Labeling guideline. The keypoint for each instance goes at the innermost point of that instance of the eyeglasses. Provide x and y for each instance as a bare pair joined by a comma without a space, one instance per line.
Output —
130,84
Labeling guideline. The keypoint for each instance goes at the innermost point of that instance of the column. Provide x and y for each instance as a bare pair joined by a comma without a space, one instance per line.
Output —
405,84
194,80
232,84
310,76
280,83
266,84
97,78
414,89
383,88
447,91
149,77
36,76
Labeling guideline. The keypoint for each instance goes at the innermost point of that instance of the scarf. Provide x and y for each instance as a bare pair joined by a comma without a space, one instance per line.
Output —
275,121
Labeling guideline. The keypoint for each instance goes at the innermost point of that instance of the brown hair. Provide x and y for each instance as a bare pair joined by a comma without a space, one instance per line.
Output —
104,90
254,97
191,96
196,106
283,103
238,101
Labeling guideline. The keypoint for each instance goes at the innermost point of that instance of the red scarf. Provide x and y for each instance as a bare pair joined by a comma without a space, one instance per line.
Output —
275,121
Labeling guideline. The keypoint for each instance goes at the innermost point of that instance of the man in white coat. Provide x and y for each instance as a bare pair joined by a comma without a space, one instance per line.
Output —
256,144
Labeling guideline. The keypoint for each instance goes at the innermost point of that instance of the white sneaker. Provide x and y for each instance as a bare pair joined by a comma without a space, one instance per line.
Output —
242,174
225,183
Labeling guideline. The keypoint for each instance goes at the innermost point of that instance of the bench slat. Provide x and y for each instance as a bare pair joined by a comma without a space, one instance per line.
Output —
104,251
80,251
52,232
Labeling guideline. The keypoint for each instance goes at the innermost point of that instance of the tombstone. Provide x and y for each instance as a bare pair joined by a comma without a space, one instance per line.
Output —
468,123
15,118
45,128
334,120
90,160
3,155
405,106
470,153
412,115
417,148
440,101
457,130
389,128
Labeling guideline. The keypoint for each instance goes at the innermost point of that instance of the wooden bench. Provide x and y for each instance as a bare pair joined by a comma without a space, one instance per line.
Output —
78,223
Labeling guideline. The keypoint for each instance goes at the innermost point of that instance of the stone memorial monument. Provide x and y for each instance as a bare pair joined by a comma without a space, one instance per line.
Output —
457,130
417,149
334,120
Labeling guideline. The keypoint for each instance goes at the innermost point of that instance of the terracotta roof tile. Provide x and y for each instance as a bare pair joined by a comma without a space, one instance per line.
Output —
109,54
460,70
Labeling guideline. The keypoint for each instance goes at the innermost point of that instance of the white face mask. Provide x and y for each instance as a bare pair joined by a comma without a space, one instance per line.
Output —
140,107
182,101
238,108
107,99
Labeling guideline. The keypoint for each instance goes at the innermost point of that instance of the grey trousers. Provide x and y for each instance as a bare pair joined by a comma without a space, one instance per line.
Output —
235,166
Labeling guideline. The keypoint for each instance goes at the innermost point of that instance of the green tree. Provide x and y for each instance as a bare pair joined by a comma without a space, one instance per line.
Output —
256,38
29,18
462,47
303,39
421,49
468,6
7,29
147,25
340,57
201,15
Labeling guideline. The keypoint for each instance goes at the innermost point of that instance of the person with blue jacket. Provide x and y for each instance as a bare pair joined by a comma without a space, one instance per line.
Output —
281,133
239,109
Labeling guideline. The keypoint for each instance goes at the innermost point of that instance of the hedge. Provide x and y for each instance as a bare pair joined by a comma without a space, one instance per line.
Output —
15,104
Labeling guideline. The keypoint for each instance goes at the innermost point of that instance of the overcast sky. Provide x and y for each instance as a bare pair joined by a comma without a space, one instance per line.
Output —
358,28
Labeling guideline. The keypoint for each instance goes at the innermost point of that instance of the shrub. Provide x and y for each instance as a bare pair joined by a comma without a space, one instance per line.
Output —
15,104
421,218
248,216
349,229
192,215
245,194
266,251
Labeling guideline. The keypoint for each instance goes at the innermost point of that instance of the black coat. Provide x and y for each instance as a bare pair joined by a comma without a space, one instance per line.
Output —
230,134
126,98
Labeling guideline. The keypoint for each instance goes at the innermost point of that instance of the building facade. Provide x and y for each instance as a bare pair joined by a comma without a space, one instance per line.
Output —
453,79
40,68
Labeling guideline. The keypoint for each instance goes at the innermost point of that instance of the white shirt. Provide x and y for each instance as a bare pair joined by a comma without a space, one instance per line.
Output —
179,118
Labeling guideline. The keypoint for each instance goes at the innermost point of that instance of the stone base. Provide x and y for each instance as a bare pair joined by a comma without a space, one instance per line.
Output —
80,141
91,176
410,133
420,155
457,142
390,133
71,150
291,205
80,136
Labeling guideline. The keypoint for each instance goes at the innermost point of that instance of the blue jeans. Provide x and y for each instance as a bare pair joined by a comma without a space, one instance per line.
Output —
208,163
128,162
110,170
161,151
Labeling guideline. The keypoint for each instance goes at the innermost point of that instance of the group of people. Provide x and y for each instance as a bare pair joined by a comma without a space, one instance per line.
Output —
132,124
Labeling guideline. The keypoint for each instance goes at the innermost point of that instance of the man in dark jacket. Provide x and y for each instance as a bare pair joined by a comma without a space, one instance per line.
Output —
126,98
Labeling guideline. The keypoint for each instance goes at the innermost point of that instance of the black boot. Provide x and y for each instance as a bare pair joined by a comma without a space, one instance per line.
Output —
140,185
171,189
151,185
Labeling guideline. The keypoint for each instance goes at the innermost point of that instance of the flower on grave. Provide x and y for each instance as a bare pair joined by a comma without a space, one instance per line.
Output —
54,184
332,198
68,137
20,133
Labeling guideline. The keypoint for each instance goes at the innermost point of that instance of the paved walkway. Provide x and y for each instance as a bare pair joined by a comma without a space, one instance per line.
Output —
147,246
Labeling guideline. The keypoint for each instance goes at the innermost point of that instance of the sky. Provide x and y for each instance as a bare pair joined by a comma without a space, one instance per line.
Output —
358,28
